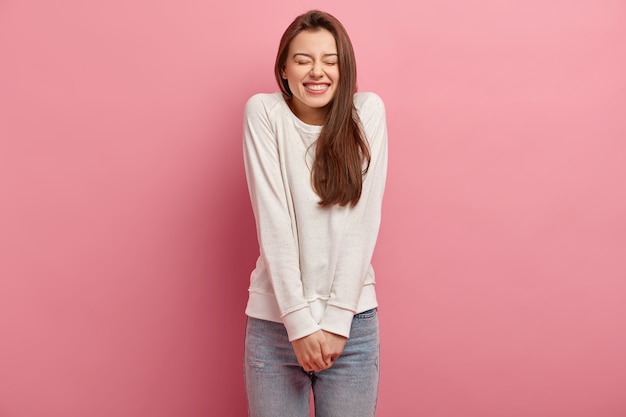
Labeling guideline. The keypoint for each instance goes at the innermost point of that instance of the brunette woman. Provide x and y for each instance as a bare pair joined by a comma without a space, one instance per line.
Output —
316,157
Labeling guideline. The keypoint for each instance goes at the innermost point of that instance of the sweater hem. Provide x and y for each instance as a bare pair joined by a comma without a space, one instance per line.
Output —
265,307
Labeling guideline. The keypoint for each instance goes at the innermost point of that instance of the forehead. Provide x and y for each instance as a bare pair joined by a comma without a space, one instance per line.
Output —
313,41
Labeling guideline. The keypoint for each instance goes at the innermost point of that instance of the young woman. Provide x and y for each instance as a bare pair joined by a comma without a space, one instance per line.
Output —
316,160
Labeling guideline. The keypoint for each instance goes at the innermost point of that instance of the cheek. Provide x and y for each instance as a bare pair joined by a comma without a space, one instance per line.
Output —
294,75
292,81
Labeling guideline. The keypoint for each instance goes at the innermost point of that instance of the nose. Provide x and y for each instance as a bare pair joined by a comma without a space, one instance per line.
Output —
317,69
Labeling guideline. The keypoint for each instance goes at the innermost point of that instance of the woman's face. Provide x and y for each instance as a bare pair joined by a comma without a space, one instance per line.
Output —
312,72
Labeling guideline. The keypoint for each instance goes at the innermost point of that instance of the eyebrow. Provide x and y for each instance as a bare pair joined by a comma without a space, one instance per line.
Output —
310,56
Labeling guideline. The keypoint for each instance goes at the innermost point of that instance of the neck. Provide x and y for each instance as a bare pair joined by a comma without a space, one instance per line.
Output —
310,116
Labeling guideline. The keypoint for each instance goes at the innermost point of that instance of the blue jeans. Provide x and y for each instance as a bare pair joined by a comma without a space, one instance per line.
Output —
277,386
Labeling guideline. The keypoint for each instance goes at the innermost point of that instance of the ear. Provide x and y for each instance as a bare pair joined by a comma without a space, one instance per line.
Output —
283,73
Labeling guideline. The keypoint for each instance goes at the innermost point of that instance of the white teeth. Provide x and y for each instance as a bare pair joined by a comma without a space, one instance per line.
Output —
317,87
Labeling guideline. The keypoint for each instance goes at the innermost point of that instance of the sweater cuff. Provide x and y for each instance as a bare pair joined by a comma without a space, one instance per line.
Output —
337,320
300,323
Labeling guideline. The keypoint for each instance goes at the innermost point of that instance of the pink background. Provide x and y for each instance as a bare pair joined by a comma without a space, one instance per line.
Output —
126,235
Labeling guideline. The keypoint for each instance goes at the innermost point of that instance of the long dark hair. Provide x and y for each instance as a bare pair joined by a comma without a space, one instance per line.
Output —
342,155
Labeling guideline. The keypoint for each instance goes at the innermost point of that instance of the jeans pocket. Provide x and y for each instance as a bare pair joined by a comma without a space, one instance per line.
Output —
368,314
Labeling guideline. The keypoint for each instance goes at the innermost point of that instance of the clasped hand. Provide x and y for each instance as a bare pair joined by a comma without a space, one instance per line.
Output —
319,350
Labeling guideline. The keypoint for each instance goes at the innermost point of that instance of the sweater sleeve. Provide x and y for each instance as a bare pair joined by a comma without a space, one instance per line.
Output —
362,225
275,230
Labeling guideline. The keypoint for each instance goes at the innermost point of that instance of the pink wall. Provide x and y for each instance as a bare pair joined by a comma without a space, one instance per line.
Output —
126,236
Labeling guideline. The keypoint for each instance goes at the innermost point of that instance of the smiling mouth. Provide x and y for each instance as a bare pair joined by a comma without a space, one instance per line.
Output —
317,88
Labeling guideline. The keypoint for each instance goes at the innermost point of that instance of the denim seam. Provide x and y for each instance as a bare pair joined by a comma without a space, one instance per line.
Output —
366,314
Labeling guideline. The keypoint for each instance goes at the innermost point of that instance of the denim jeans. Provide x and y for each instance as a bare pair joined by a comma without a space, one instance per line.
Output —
277,386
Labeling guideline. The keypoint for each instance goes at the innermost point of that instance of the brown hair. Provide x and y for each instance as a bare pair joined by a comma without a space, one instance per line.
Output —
341,148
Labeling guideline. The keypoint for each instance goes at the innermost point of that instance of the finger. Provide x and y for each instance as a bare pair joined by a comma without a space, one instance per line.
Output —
313,365
308,367
320,365
327,355
322,359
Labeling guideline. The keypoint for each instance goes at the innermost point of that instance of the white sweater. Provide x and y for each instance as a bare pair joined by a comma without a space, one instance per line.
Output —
314,270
